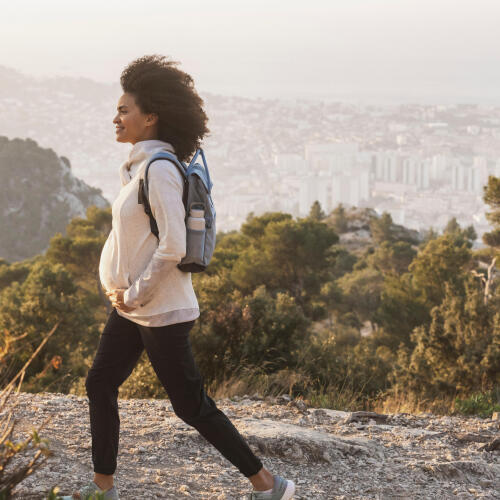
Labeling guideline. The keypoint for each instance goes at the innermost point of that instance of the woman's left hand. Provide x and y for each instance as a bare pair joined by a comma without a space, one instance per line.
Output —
116,297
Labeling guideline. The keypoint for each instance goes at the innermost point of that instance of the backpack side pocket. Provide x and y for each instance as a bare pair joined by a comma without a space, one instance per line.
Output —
195,245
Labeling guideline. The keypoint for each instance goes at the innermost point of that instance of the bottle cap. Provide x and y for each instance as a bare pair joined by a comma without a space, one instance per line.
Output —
196,212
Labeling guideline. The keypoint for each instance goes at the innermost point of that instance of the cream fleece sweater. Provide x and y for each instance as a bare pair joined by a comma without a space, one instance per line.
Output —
132,256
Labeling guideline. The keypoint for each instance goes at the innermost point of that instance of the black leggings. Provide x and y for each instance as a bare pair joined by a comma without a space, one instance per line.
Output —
169,350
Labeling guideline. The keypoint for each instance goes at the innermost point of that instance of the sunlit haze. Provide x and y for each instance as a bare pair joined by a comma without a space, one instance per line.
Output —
380,51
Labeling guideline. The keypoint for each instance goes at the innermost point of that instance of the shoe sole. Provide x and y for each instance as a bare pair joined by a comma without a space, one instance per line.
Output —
290,490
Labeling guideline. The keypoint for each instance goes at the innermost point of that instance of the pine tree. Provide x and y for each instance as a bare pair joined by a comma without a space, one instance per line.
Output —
316,213
492,197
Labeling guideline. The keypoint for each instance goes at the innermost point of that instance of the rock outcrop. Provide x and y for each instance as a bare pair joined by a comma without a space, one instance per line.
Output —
39,195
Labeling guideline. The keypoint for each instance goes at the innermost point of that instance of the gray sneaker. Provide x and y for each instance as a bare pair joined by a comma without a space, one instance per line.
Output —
89,492
283,489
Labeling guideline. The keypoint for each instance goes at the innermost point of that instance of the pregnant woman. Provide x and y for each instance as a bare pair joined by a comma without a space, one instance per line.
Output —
154,304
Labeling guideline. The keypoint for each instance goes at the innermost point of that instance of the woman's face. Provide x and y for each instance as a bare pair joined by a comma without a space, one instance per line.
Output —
131,124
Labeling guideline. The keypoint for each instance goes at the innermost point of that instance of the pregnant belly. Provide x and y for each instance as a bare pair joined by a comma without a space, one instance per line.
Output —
113,272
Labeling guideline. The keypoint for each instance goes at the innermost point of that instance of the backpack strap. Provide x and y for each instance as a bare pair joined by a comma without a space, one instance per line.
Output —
143,187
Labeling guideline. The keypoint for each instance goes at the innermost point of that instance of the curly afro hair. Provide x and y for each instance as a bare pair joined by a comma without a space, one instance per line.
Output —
159,87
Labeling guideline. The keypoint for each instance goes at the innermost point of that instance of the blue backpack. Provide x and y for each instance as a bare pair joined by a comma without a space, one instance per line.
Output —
200,210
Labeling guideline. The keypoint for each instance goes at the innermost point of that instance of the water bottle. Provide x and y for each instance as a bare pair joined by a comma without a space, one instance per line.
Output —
196,218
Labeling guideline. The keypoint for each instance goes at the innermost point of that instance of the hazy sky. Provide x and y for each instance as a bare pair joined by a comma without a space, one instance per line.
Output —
413,50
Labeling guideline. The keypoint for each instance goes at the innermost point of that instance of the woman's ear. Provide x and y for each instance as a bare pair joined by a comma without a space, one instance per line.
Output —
152,119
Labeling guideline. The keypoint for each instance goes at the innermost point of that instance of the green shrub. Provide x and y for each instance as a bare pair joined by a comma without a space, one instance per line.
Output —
481,403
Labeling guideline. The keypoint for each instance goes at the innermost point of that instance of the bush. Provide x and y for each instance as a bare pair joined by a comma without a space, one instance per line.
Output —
481,403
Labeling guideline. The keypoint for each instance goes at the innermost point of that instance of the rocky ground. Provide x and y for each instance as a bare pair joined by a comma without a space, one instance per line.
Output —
329,454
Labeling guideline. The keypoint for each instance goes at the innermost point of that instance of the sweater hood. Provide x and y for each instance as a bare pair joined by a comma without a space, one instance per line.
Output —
139,152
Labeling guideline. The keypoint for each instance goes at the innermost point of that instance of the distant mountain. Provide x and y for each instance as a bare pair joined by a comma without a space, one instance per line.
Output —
39,195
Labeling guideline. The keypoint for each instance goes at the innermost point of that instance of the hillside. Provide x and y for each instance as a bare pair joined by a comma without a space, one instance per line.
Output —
329,454
39,195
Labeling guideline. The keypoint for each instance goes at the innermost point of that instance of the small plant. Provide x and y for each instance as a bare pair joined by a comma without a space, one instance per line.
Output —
53,493
481,403
12,474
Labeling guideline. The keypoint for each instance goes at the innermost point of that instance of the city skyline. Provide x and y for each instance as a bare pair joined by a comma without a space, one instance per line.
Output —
422,164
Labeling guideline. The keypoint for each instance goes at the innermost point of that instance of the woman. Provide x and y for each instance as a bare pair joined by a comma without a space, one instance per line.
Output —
154,304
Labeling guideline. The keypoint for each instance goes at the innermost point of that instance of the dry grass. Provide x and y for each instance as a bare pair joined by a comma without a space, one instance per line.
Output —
249,381
404,402
12,472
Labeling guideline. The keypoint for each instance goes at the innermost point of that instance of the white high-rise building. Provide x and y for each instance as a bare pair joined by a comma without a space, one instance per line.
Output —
364,183
314,188
439,167
290,163
462,178
387,166
351,189
479,162
416,171
410,165
331,158
345,190
480,173
470,178
458,177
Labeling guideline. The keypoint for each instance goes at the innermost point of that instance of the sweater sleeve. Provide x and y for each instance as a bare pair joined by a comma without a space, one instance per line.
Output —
165,197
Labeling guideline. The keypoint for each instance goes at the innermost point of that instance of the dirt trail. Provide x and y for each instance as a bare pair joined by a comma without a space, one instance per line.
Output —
329,454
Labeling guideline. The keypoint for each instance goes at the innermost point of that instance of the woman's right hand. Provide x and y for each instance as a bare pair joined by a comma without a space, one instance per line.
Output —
116,297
